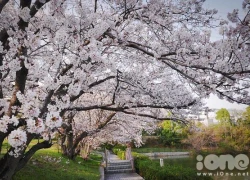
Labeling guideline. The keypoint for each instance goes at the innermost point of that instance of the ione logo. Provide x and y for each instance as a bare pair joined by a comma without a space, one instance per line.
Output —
213,162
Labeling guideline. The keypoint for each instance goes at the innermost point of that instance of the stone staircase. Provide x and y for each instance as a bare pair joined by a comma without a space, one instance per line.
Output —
117,169
119,166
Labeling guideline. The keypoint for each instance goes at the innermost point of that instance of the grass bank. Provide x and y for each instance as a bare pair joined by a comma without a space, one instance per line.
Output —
49,164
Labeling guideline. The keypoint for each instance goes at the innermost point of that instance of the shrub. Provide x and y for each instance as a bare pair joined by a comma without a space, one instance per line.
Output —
150,169
119,150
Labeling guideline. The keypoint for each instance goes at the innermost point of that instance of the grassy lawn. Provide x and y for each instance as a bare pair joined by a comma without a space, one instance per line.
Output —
49,164
157,149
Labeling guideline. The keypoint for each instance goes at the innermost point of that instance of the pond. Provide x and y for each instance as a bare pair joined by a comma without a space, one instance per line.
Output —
190,161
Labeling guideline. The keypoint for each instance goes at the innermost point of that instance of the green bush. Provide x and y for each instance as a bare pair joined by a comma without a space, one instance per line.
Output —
119,150
121,154
150,169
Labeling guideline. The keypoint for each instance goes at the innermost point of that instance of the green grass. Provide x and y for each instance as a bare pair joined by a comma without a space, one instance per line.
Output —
157,149
49,164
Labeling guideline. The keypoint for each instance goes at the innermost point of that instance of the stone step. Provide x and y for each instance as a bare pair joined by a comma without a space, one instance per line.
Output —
127,166
114,164
123,176
117,163
119,171
132,178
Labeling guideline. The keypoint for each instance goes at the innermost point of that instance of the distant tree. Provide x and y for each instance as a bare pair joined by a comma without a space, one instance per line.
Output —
204,137
246,116
172,132
227,136
223,116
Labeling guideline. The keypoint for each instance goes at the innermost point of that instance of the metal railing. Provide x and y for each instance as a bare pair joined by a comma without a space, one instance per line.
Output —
106,156
130,157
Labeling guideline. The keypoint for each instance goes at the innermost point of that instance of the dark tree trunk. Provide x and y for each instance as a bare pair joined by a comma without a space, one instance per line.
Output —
9,165
69,144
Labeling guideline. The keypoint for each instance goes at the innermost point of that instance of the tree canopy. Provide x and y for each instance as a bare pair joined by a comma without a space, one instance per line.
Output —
245,118
223,116
140,56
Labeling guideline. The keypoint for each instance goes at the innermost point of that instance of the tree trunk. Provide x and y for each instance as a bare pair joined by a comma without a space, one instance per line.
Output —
68,147
9,165
85,150
69,144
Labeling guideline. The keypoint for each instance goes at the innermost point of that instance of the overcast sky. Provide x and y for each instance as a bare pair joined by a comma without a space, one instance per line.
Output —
223,7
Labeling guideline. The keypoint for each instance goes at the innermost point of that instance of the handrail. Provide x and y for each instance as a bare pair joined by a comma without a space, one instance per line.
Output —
106,156
130,157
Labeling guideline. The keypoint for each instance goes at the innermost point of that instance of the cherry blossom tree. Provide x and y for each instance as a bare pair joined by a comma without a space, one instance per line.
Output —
144,56
98,126
234,57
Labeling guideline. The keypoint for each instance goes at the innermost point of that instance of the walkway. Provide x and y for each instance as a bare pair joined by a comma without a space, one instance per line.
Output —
120,176
123,176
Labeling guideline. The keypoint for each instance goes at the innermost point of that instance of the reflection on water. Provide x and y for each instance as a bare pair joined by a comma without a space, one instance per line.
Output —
190,161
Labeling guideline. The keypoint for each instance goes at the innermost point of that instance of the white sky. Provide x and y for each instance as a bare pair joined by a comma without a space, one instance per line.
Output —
223,7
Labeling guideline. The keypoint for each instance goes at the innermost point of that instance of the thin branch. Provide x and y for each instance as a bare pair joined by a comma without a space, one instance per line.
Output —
109,118
95,6
90,86
155,117
116,87
101,81
120,109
